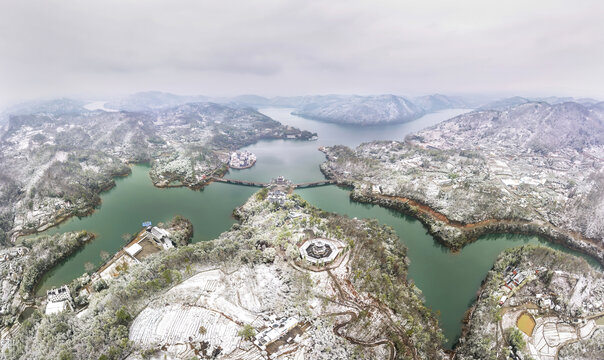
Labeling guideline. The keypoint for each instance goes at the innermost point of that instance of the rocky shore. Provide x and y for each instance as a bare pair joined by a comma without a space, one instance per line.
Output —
456,235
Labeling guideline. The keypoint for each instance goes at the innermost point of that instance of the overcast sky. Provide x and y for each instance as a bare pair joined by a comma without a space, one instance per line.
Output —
115,47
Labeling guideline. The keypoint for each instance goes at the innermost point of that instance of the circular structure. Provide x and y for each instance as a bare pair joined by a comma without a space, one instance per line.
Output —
320,251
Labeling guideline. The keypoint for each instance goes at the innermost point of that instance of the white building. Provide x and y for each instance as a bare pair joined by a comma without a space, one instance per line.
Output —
160,236
153,239
59,300
134,249
275,331
276,197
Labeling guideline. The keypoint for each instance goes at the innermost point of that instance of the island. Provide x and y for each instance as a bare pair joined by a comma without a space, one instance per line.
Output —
242,160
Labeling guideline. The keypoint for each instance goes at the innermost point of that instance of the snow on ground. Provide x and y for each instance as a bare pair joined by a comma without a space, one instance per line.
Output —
173,325
577,295
40,170
98,105
550,333
212,300
586,330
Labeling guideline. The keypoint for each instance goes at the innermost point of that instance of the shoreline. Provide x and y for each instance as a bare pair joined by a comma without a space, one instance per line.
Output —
455,235
472,231
242,167
87,211
57,220
452,234
60,219
89,238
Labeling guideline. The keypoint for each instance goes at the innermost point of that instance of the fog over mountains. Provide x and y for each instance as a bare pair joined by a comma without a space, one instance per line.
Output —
344,109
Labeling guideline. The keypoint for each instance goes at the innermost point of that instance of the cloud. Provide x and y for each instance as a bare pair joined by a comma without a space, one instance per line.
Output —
94,47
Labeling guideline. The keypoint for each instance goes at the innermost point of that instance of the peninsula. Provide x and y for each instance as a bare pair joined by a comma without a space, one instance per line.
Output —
535,168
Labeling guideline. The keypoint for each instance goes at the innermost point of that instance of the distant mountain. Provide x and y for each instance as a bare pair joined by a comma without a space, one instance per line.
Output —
250,100
362,110
344,109
538,126
436,102
598,106
511,102
503,104
55,106
553,100
299,102
152,100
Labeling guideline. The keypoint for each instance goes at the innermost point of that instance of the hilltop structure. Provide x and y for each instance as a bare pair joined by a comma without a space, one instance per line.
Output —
320,251
284,309
280,181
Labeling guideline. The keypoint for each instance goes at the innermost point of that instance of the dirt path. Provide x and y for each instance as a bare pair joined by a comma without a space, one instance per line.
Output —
344,297
353,317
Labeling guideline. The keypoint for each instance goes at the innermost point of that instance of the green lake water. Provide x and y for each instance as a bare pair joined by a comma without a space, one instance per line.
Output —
449,281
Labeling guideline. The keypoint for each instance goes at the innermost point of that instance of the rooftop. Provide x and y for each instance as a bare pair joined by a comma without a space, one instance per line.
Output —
57,307
320,251
275,331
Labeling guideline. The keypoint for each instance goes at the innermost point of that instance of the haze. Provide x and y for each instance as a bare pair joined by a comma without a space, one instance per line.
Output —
110,48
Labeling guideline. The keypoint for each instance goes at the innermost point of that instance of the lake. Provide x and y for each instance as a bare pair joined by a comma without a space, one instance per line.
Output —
449,281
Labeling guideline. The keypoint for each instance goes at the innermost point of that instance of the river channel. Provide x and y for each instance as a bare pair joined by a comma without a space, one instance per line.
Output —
449,281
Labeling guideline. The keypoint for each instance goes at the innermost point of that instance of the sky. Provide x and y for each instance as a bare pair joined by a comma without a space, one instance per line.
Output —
107,48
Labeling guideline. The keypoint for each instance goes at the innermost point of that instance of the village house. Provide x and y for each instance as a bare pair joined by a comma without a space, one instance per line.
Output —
274,332
59,300
161,237
276,197
149,241
514,278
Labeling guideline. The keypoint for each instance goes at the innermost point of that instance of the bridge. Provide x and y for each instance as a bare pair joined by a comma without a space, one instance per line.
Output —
261,184
314,184
239,182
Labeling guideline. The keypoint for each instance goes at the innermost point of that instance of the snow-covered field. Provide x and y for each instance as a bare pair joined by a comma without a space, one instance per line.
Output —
210,308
